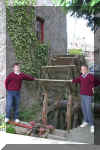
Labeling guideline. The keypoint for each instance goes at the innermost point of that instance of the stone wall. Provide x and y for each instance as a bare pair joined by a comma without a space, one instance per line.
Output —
54,28
2,55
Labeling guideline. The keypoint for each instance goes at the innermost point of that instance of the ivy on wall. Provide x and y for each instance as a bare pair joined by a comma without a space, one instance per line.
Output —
30,53
21,2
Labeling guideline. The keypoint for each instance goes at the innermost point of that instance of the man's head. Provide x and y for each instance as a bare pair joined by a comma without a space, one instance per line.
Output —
84,69
16,68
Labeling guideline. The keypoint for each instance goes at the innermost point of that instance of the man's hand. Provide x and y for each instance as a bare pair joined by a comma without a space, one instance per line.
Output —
35,79
93,90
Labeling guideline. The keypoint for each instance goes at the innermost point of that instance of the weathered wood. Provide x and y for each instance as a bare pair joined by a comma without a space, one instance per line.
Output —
58,66
59,73
64,60
54,80
45,106
69,113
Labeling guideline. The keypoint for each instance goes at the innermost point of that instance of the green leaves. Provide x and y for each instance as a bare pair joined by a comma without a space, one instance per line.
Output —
82,8
30,53
21,2
2,121
10,129
94,2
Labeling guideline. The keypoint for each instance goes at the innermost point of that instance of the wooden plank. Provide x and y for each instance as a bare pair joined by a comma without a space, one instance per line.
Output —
67,56
54,80
58,66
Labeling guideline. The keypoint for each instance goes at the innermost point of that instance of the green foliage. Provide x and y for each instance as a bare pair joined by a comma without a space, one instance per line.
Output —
22,2
30,114
2,121
10,129
29,51
82,8
94,2
75,51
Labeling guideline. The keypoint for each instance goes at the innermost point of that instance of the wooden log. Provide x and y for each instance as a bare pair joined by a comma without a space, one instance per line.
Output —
44,111
69,113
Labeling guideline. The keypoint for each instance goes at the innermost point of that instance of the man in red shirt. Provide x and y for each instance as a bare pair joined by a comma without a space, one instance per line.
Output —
86,81
13,84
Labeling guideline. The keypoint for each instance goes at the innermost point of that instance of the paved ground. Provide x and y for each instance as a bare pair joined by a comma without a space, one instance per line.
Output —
82,135
78,135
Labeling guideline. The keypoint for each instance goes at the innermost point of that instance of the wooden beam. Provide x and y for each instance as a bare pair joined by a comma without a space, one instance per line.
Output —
54,80
66,57
58,66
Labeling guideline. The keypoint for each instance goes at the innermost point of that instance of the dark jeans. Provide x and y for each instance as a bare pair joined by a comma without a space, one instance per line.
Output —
13,100
86,102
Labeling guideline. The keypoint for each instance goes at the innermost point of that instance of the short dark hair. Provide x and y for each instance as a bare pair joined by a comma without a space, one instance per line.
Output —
16,64
84,65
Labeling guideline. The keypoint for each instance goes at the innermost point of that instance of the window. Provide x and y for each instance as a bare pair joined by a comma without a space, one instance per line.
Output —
40,29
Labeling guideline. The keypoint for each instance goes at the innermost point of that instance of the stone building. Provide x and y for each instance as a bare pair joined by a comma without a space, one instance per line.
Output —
51,29
54,28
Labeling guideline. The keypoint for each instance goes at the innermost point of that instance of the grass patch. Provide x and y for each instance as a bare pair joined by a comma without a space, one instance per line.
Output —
10,129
